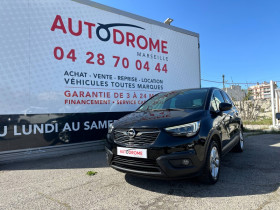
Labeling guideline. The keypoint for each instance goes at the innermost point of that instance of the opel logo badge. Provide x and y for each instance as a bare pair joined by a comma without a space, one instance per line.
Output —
131,133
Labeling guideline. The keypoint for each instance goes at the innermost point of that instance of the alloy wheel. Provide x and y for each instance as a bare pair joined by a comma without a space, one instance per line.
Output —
241,141
214,162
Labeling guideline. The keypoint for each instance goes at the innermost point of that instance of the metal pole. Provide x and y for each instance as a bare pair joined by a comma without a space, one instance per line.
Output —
223,82
272,102
277,104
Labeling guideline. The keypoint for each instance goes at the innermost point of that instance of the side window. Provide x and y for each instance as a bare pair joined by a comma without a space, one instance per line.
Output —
228,100
216,99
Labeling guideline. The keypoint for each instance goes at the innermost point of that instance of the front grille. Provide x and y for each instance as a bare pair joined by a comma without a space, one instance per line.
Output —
143,137
138,164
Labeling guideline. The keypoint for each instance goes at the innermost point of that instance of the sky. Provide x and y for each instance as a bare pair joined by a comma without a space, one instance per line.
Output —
238,38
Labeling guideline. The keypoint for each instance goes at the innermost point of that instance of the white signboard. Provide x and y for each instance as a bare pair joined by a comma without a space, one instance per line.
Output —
62,56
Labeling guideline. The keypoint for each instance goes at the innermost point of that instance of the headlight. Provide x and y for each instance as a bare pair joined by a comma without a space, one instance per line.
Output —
188,130
111,127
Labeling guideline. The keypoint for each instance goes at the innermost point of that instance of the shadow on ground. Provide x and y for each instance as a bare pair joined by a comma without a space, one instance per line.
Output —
255,171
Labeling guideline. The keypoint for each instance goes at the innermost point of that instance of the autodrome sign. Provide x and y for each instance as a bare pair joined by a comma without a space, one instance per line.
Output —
71,58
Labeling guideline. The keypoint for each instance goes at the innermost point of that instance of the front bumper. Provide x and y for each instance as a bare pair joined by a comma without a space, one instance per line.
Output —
158,163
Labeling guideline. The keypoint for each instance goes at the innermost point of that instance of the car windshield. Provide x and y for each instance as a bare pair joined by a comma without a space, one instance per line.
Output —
185,99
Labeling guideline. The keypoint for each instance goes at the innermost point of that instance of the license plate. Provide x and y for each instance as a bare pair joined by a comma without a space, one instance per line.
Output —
132,152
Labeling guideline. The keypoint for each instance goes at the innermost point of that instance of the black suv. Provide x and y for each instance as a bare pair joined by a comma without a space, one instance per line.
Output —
176,134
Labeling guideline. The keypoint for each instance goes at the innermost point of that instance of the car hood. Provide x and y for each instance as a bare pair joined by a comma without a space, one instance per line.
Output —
158,119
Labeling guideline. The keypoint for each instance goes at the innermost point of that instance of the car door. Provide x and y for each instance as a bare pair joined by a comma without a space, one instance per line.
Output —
235,118
221,121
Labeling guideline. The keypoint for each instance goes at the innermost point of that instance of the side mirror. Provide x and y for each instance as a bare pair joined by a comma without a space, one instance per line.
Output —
225,106
278,116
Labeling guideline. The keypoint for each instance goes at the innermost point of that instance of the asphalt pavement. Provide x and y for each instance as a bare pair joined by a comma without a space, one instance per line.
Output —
248,180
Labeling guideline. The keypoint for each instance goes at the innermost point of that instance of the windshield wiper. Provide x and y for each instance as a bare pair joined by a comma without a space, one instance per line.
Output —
175,109
168,109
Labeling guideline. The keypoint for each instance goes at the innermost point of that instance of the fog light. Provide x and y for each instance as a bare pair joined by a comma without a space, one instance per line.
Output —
185,162
181,163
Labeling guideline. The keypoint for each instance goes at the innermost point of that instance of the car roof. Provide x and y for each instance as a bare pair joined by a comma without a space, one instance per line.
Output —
181,90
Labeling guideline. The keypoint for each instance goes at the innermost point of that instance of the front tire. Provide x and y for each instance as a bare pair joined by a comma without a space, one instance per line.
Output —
211,169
